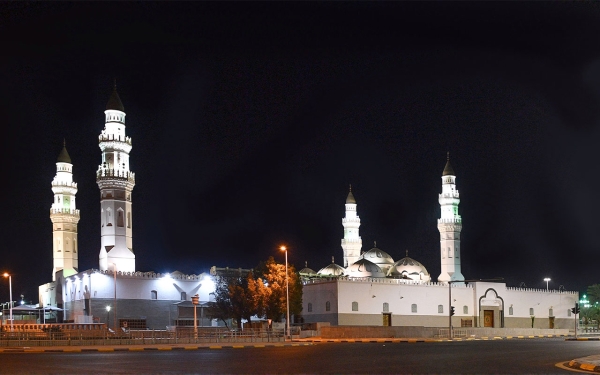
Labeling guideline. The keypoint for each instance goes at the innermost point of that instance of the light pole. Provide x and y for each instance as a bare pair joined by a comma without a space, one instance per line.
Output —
195,302
546,280
10,298
107,316
287,292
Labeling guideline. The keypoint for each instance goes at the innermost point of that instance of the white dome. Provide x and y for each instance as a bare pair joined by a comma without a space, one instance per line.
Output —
408,268
379,257
364,268
331,270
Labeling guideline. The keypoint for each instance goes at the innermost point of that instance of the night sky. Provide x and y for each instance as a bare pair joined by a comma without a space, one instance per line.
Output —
250,120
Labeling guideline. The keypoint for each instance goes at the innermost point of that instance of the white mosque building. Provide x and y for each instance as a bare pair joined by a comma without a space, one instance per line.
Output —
115,292
371,289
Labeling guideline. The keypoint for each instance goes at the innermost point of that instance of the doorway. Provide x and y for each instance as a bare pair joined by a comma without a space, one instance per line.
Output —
551,322
387,319
488,318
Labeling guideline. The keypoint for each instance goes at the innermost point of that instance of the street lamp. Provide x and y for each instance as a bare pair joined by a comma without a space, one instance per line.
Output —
546,280
287,292
195,302
10,298
107,316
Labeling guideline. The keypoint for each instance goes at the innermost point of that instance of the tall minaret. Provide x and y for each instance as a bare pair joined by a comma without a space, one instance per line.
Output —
116,182
449,225
351,243
64,216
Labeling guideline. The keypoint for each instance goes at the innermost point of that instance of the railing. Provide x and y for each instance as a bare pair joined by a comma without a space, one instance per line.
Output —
180,335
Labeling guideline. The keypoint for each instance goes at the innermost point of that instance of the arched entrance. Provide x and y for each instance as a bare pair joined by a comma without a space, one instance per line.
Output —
491,309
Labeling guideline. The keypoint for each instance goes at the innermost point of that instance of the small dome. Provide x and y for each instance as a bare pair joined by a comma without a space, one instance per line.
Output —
307,271
379,257
331,270
64,157
408,268
350,199
364,268
115,102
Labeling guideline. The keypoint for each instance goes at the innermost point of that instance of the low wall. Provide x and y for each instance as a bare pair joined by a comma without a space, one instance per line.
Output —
338,332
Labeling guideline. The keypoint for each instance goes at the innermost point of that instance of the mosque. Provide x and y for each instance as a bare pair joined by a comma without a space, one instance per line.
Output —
370,289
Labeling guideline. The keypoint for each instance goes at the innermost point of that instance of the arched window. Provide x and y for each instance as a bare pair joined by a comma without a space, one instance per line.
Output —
456,253
120,218
386,307
449,253
309,307
129,220
510,310
183,296
568,312
531,311
153,294
440,309
108,218
413,308
550,312
354,306
327,306
465,309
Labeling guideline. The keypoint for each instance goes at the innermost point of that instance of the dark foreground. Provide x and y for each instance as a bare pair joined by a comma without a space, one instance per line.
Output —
482,357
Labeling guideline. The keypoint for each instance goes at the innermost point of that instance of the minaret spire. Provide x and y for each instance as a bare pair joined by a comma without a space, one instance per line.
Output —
351,243
116,183
64,216
449,226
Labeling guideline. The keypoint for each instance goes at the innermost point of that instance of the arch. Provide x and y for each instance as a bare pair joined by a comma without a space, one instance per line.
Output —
440,309
501,308
153,294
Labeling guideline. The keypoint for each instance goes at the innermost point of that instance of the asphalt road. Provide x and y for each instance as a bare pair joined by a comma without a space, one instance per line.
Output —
481,357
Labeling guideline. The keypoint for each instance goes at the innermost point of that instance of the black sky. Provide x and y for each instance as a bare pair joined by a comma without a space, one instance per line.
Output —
250,120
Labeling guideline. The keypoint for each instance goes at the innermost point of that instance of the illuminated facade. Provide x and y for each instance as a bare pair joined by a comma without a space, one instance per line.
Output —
116,183
64,216
351,243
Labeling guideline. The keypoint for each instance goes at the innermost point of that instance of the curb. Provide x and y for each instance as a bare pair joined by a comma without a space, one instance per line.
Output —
583,339
141,349
483,338
584,366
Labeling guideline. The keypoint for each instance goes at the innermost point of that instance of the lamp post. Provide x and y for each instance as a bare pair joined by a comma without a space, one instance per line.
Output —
107,316
10,298
287,292
195,302
546,280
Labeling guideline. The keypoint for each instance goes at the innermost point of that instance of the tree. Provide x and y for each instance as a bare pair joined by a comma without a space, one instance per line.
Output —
275,300
593,293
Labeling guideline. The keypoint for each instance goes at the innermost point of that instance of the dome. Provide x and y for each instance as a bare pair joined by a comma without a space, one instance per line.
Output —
365,268
379,257
332,270
64,157
408,268
350,199
114,102
448,171
307,271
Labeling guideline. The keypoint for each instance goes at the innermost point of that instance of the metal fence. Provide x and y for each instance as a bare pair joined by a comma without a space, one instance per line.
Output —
179,335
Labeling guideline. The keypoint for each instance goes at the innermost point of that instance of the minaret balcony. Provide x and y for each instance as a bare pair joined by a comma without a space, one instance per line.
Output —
454,220
351,220
450,195
67,211
64,184
106,173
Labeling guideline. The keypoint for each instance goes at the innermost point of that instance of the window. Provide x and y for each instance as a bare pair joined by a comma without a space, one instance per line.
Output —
327,306
465,309
510,310
550,312
183,296
568,312
309,307
440,309
129,220
413,308
386,307
531,311
120,218
449,253
354,306
153,294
